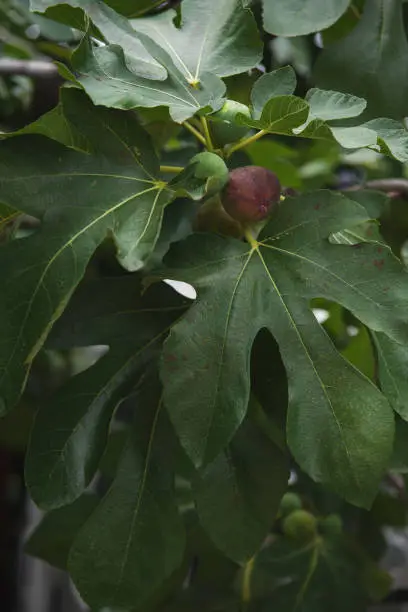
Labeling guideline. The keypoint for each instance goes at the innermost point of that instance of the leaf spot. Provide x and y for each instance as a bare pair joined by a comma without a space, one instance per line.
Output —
378,263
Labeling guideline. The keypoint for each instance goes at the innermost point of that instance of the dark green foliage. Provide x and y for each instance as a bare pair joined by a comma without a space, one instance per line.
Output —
166,428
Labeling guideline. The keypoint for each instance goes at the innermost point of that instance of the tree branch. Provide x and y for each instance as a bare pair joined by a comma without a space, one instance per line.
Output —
391,185
38,69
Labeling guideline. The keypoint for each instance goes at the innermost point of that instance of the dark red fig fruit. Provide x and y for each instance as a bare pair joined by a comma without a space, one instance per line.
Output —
251,193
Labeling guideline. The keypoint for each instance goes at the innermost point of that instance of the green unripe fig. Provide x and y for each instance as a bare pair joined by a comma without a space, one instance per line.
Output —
331,525
224,130
300,526
250,193
289,503
230,110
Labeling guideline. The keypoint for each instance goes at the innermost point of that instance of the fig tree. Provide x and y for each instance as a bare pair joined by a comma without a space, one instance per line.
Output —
250,193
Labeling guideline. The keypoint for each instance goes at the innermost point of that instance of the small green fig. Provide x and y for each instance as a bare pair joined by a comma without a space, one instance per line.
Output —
300,526
289,503
251,193
224,130
331,525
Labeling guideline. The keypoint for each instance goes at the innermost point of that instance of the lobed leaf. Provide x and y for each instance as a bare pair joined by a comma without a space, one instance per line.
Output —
80,198
342,439
108,81
220,39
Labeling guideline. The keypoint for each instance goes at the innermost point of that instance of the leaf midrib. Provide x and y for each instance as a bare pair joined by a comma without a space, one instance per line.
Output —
224,340
309,357
139,496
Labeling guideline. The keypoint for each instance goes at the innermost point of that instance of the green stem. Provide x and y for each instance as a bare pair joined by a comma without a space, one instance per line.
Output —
246,582
248,235
312,568
207,134
171,169
195,132
246,141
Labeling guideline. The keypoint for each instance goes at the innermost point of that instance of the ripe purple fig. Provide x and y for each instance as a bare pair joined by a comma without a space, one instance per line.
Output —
251,193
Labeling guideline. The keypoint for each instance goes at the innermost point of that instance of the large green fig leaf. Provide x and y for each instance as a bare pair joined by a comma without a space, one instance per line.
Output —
115,29
80,198
139,510
71,428
342,439
106,78
360,62
219,38
238,495
296,17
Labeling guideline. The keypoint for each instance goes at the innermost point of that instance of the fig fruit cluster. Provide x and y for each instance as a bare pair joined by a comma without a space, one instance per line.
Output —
301,526
250,194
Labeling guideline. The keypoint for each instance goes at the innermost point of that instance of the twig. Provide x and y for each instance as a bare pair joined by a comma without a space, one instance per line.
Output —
38,69
398,185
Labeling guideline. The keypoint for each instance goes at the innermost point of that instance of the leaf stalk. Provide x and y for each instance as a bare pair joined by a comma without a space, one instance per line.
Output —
207,134
195,132
246,141
171,169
